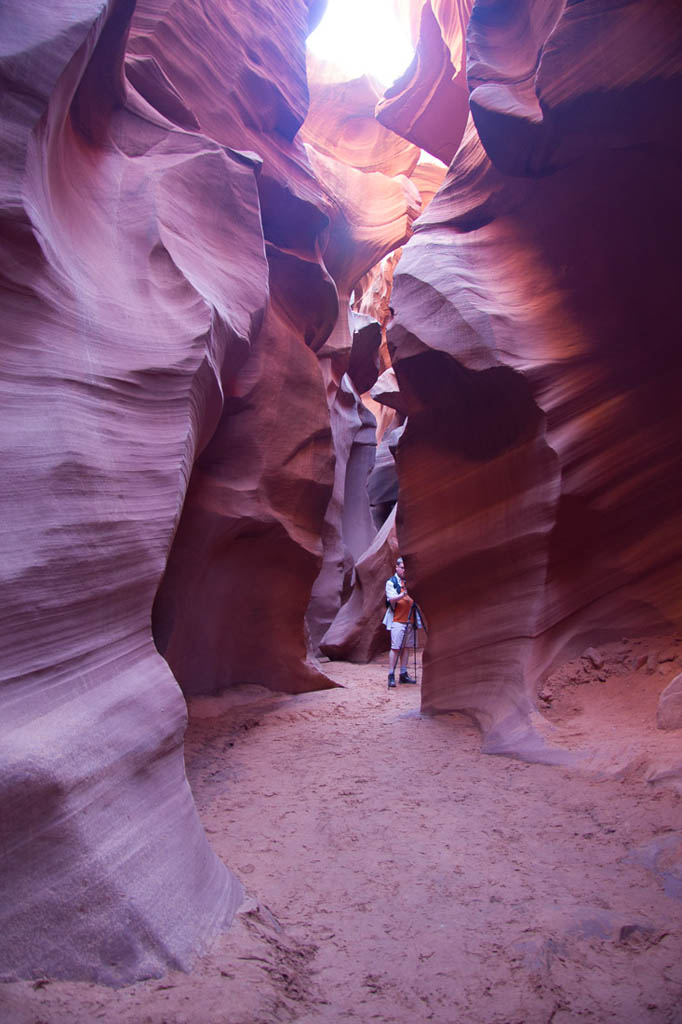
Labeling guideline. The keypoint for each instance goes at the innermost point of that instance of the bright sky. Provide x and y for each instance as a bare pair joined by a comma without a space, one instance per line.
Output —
363,37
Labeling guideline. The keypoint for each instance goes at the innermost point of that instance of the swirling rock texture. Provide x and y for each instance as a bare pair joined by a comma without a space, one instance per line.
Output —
352,579
429,104
536,346
121,317
368,181
231,604
186,449
169,298
357,632
669,713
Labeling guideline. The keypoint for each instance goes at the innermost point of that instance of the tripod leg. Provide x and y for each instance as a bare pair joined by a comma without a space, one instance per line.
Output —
414,646
411,626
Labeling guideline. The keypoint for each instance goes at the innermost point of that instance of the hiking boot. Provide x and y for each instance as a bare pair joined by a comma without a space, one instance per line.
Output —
405,678
391,681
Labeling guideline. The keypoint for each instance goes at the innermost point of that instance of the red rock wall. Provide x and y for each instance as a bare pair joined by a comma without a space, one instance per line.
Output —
172,400
156,284
231,604
536,345
263,523
184,435
369,183
429,104
120,314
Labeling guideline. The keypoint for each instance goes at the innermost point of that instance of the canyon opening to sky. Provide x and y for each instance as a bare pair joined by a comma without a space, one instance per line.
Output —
364,37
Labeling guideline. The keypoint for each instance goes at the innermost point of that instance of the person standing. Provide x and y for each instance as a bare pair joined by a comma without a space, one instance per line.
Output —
400,619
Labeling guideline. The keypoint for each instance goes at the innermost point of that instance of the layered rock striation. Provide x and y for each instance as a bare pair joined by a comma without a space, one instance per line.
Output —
231,603
196,298
168,445
369,182
119,318
184,438
429,104
536,350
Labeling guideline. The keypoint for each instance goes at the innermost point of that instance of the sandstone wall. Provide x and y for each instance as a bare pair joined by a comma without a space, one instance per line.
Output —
174,398
536,346
369,182
119,314
186,445
429,104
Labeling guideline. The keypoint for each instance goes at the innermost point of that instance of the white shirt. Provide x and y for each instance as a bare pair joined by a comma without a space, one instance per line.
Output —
391,591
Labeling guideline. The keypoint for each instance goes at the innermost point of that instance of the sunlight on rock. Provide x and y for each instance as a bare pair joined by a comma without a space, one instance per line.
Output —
255,344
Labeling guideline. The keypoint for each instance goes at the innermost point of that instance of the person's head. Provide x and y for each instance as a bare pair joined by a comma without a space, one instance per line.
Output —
400,566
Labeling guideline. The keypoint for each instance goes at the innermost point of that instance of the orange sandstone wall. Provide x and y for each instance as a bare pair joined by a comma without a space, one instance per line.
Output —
173,394
186,448
536,346
121,318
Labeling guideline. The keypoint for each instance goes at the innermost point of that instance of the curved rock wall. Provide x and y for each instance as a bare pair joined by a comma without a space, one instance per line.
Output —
174,390
536,346
349,622
429,104
186,448
231,603
119,316
375,206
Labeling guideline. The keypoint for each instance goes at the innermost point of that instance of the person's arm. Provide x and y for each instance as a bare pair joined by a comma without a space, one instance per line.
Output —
392,593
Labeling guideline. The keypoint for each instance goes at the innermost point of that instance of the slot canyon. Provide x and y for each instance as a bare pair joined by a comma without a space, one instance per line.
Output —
265,328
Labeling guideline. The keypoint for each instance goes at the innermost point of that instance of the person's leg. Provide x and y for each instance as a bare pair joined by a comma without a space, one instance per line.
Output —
410,643
397,633
392,658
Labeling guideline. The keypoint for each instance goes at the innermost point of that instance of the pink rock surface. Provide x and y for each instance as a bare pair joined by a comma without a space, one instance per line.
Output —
260,493
378,186
348,527
232,604
163,265
429,104
428,177
175,401
341,124
186,448
119,316
383,482
357,632
373,206
538,363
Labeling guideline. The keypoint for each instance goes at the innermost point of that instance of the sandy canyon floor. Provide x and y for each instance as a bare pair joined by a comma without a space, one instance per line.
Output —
396,874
